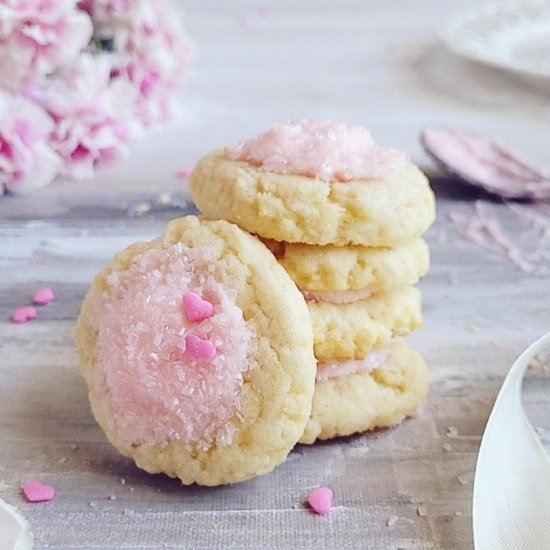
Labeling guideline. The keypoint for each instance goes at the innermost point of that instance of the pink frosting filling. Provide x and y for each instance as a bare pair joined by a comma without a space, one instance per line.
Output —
337,296
155,390
333,369
325,150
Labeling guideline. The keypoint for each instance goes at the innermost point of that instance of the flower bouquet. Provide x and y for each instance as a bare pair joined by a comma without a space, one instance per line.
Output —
79,79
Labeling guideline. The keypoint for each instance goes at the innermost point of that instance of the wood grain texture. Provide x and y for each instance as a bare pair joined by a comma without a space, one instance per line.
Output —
353,61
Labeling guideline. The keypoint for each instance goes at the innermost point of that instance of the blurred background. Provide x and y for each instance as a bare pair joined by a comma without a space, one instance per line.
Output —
381,65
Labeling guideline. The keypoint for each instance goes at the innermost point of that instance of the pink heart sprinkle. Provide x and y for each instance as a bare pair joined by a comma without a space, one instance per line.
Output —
199,349
38,492
320,500
43,296
196,309
24,314
183,173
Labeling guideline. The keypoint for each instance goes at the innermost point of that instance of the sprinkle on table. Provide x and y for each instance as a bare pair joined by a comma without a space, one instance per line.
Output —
43,296
183,174
24,314
35,491
320,500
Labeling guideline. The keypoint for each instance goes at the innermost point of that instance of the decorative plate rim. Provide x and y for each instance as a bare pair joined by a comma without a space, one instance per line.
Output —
459,35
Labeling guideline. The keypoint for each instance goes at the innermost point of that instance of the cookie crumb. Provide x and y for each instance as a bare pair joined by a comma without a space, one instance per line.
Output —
422,511
458,513
3,486
392,520
112,497
447,447
164,199
74,447
122,481
462,480
141,208
452,431
320,500
539,364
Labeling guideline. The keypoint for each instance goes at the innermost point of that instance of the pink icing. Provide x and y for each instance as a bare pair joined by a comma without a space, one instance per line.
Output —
38,492
159,382
24,314
325,150
196,309
43,296
333,369
337,296
320,500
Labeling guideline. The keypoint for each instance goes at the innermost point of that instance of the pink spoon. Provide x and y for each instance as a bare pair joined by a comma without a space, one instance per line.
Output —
481,162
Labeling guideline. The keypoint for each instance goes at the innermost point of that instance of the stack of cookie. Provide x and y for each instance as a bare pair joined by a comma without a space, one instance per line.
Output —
202,357
344,217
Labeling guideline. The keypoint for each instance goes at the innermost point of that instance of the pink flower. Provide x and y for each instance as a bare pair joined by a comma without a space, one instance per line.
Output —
90,124
80,104
27,162
37,37
154,97
152,53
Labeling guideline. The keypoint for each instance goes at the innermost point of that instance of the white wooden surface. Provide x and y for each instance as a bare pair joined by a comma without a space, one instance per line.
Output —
372,63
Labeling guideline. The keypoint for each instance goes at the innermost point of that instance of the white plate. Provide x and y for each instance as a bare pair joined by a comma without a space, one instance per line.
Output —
511,502
513,36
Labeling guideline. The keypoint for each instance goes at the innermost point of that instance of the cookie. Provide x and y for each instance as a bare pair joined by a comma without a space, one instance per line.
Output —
360,268
351,331
198,354
317,184
380,397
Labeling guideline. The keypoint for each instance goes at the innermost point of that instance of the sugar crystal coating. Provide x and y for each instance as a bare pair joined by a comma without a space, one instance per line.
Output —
326,150
154,391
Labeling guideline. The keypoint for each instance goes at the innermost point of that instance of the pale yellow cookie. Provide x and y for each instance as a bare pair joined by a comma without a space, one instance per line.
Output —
350,331
198,354
375,212
353,267
378,399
